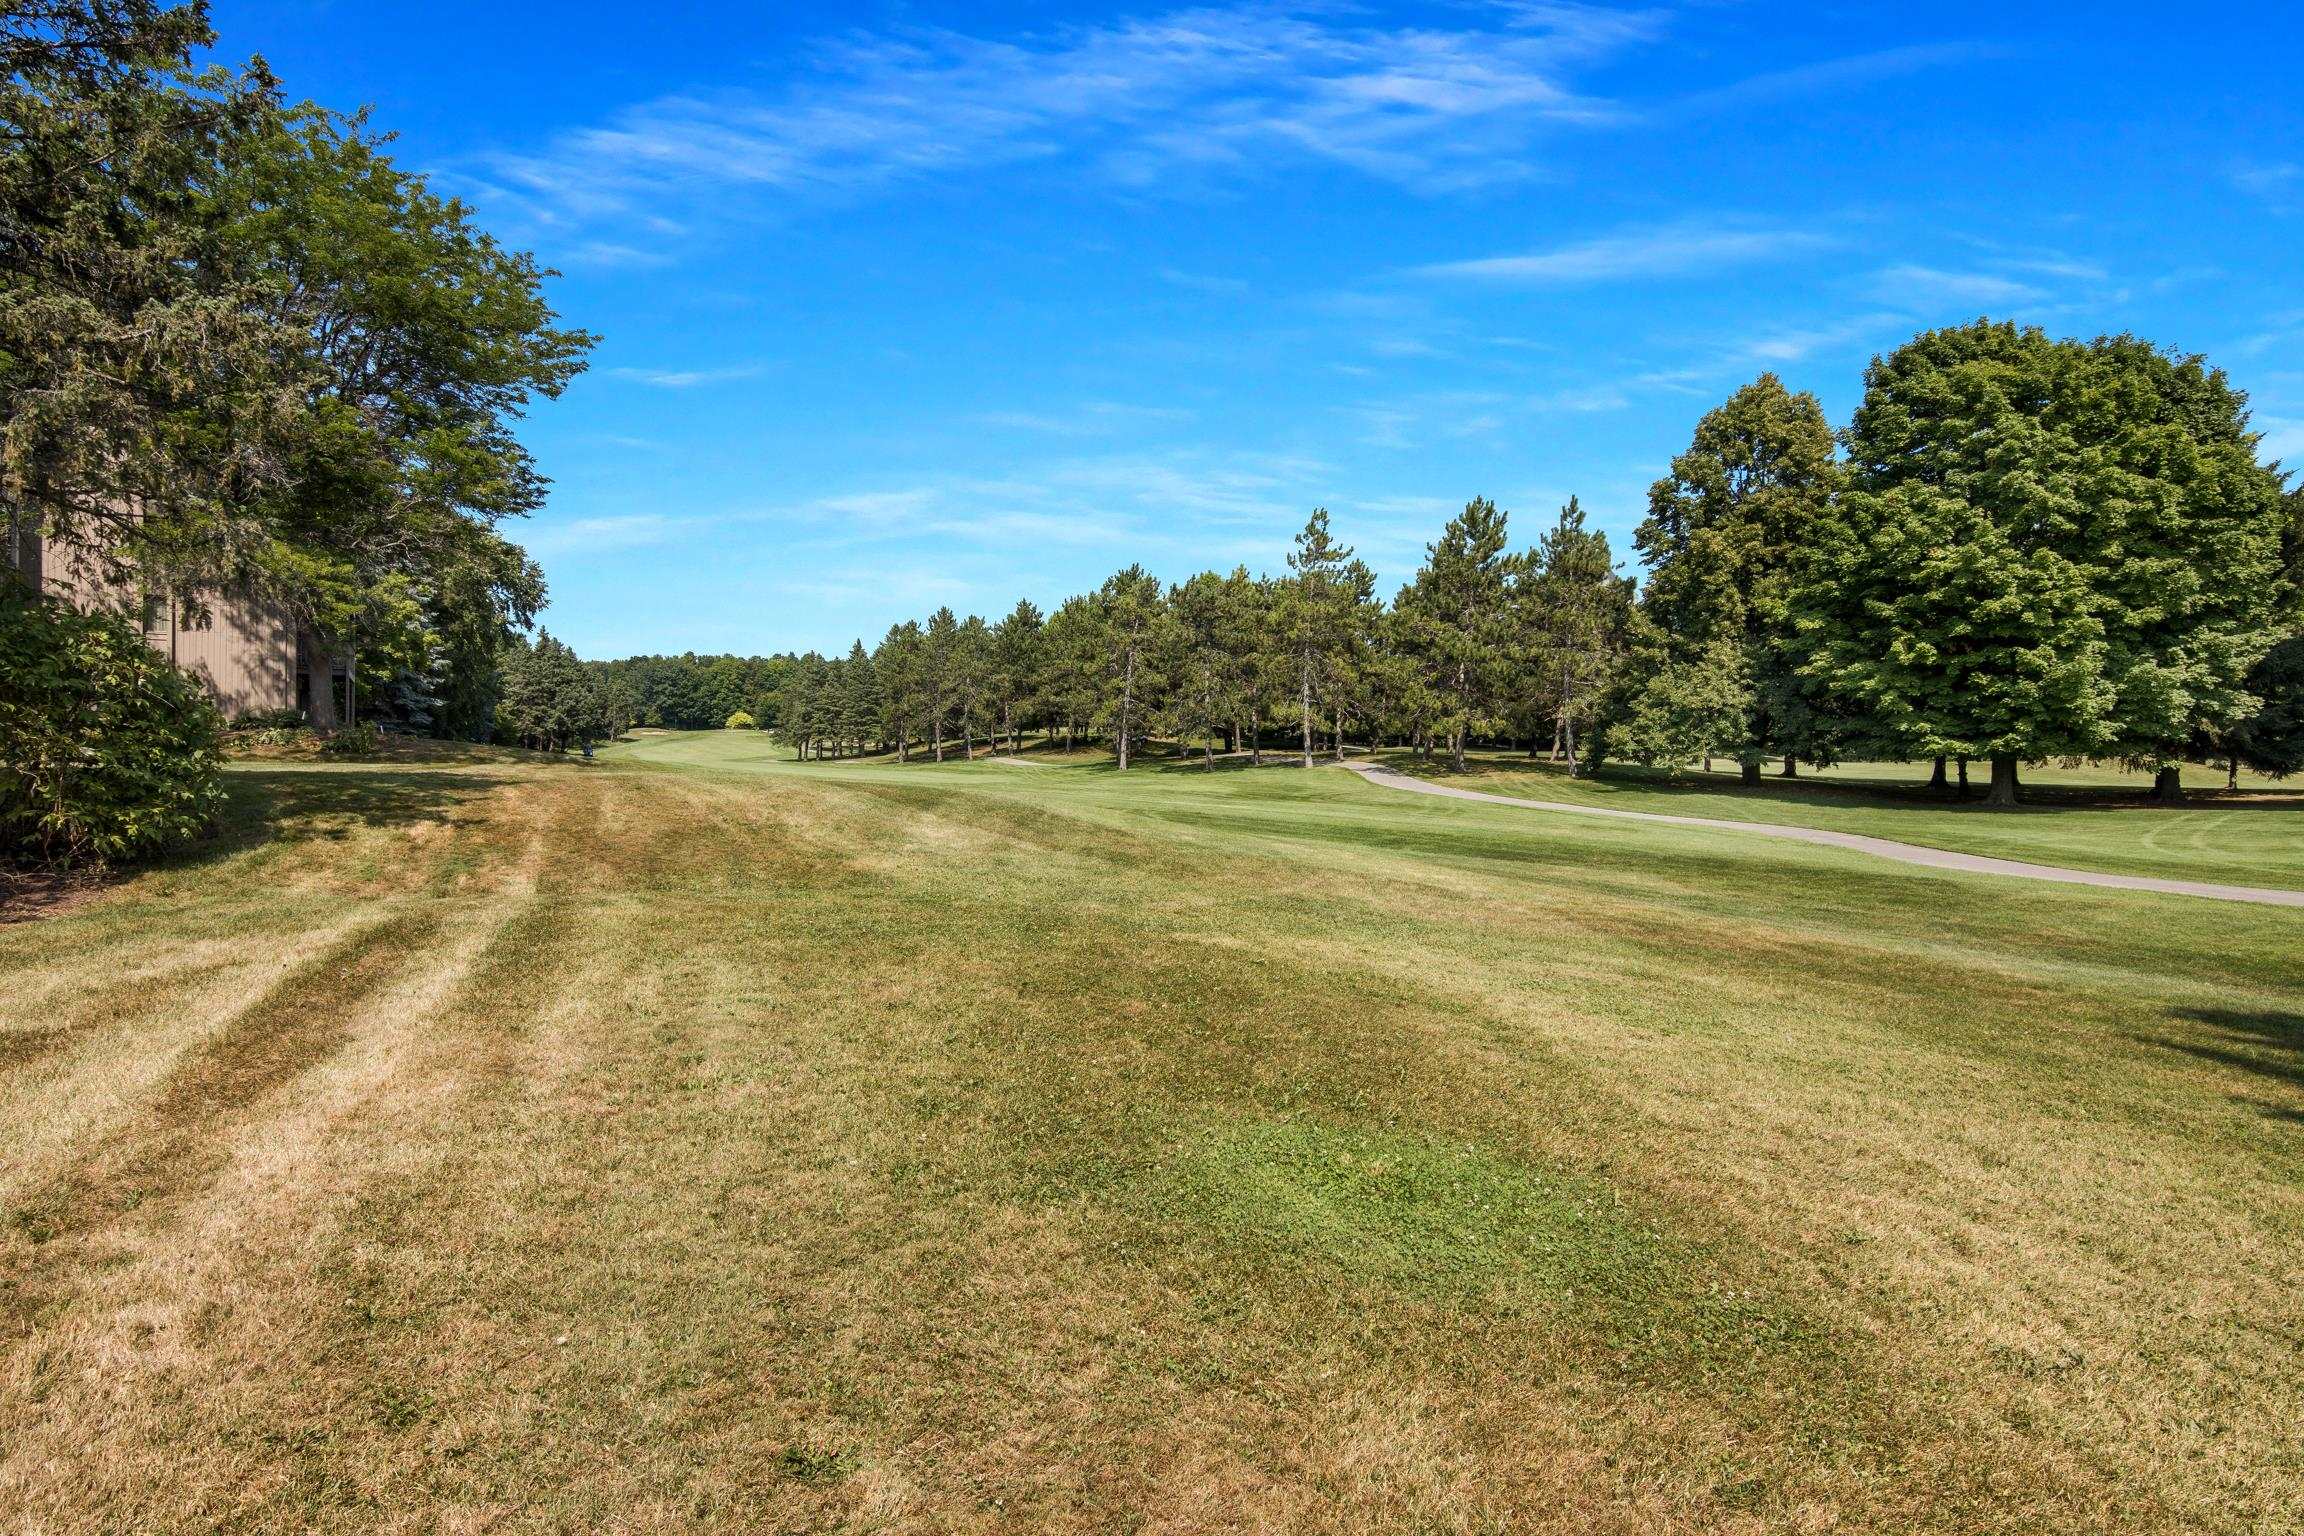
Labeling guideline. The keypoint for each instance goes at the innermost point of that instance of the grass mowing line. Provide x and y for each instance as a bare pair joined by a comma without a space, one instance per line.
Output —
1905,853
848,1148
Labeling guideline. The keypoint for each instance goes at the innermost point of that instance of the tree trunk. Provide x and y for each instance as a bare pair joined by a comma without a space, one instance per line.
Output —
1255,740
1339,735
1208,750
1791,766
1938,781
2231,772
2168,784
1963,762
1456,748
1707,763
1568,740
2004,786
1752,773
1556,725
1307,701
1127,698
939,739
903,746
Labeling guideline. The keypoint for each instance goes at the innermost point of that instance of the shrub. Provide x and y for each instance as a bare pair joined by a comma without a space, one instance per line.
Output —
742,721
106,751
353,741
269,720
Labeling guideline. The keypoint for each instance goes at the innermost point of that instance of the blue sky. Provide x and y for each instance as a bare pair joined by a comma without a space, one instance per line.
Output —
914,304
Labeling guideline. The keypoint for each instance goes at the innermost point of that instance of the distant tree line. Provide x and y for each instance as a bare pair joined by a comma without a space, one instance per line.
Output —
2020,548
691,692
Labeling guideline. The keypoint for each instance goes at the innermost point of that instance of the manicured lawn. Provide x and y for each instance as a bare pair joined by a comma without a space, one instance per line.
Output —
2088,817
694,1140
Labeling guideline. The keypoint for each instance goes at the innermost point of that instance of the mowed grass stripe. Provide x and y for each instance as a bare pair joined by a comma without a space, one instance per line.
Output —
967,1149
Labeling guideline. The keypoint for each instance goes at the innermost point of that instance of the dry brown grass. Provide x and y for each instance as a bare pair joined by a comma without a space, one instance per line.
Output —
551,1147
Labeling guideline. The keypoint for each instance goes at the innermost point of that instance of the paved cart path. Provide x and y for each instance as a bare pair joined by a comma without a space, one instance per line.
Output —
1903,853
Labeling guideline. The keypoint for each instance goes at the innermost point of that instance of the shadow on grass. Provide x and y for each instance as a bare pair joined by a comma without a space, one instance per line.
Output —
269,805
1868,793
263,806
2266,1043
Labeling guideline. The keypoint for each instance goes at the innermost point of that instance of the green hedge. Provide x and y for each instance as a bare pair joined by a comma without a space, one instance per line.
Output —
107,752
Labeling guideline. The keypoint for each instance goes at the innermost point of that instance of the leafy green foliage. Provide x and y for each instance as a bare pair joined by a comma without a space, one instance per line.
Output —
741,721
1679,708
287,719
2272,739
1724,534
107,752
2046,549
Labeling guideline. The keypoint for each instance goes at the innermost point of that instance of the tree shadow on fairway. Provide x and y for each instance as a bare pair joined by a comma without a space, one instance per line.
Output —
1817,787
292,805
2267,1043
262,806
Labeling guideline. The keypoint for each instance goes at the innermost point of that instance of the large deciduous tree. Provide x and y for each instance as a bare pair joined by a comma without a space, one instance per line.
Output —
2046,548
1725,531
242,352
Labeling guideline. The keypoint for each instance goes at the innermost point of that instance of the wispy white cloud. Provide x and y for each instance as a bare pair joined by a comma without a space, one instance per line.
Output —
1202,282
1922,288
2283,440
1143,103
1673,250
684,378
1839,74
1095,418
2277,182
598,535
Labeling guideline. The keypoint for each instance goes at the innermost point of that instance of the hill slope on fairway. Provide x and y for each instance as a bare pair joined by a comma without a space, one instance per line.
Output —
696,1140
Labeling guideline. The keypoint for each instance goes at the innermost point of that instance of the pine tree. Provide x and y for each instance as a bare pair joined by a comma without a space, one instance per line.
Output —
972,683
1019,643
1072,664
1131,618
859,698
550,700
1452,619
897,666
1199,663
1315,616
939,661
1575,611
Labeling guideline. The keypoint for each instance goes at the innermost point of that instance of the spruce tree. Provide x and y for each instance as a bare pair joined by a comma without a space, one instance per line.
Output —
1575,611
1453,620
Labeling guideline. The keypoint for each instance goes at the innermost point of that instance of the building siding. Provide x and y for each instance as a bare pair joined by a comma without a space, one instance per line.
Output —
243,653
